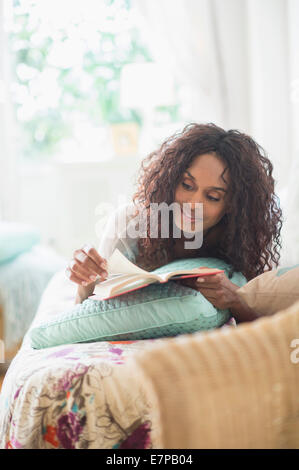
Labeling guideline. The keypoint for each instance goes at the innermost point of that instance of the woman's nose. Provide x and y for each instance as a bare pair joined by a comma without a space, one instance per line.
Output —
194,208
195,202
196,199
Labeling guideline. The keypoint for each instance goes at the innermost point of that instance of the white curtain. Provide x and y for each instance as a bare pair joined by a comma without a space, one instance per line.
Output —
204,43
177,35
9,186
274,69
290,195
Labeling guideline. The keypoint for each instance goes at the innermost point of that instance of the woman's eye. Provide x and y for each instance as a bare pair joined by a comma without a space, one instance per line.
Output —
190,188
187,186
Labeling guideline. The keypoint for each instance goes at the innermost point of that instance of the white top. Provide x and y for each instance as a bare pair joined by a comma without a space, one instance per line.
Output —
115,234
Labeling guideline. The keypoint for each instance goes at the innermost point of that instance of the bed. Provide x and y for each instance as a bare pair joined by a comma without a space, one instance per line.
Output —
75,396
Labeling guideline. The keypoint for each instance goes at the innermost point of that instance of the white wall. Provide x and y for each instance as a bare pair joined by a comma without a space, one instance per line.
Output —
61,199
269,88
293,56
290,200
232,33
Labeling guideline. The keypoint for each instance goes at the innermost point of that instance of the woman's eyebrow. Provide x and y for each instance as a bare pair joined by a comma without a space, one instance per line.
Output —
210,187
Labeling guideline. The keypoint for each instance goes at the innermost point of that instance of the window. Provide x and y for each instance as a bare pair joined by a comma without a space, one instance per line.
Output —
68,63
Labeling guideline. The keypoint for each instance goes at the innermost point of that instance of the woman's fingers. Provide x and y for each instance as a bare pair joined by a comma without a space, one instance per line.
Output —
81,271
86,266
94,255
89,265
212,281
73,276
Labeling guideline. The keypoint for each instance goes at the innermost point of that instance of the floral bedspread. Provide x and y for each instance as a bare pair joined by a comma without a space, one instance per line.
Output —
77,395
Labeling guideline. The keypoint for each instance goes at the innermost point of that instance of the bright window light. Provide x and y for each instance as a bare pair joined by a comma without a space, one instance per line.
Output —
67,68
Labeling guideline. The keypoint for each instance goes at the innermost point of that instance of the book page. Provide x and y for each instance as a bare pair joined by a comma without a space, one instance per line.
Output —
114,281
180,272
107,289
119,264
137,284
202,271
120,268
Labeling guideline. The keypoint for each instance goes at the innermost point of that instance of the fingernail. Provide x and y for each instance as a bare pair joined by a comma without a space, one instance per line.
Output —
200,279
81,256
104,274
93,278
104,265
87,248
85,283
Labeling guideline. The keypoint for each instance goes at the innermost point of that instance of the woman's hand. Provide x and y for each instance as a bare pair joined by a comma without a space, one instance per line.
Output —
84,269
216,288
221,292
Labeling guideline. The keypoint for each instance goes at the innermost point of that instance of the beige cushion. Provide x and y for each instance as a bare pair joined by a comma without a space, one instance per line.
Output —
233,388
272,291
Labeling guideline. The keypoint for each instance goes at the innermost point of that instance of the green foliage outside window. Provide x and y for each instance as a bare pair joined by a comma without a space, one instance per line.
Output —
88,88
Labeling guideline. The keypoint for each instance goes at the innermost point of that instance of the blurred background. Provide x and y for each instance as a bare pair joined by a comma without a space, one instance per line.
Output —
86,92
89,88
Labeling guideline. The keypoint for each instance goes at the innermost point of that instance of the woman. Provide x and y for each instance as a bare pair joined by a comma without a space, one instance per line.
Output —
231,176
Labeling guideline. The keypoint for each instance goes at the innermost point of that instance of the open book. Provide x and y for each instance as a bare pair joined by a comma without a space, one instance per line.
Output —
124,276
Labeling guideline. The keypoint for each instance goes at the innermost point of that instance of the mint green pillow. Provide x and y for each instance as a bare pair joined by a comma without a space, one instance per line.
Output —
15,239
158,310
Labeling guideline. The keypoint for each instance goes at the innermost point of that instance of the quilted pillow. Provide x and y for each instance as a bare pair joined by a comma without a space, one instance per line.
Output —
272,291
157,310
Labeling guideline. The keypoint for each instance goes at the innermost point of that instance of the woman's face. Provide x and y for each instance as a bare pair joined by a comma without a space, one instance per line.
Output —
202,183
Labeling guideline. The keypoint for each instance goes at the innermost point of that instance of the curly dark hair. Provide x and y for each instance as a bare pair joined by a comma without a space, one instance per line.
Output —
248,236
